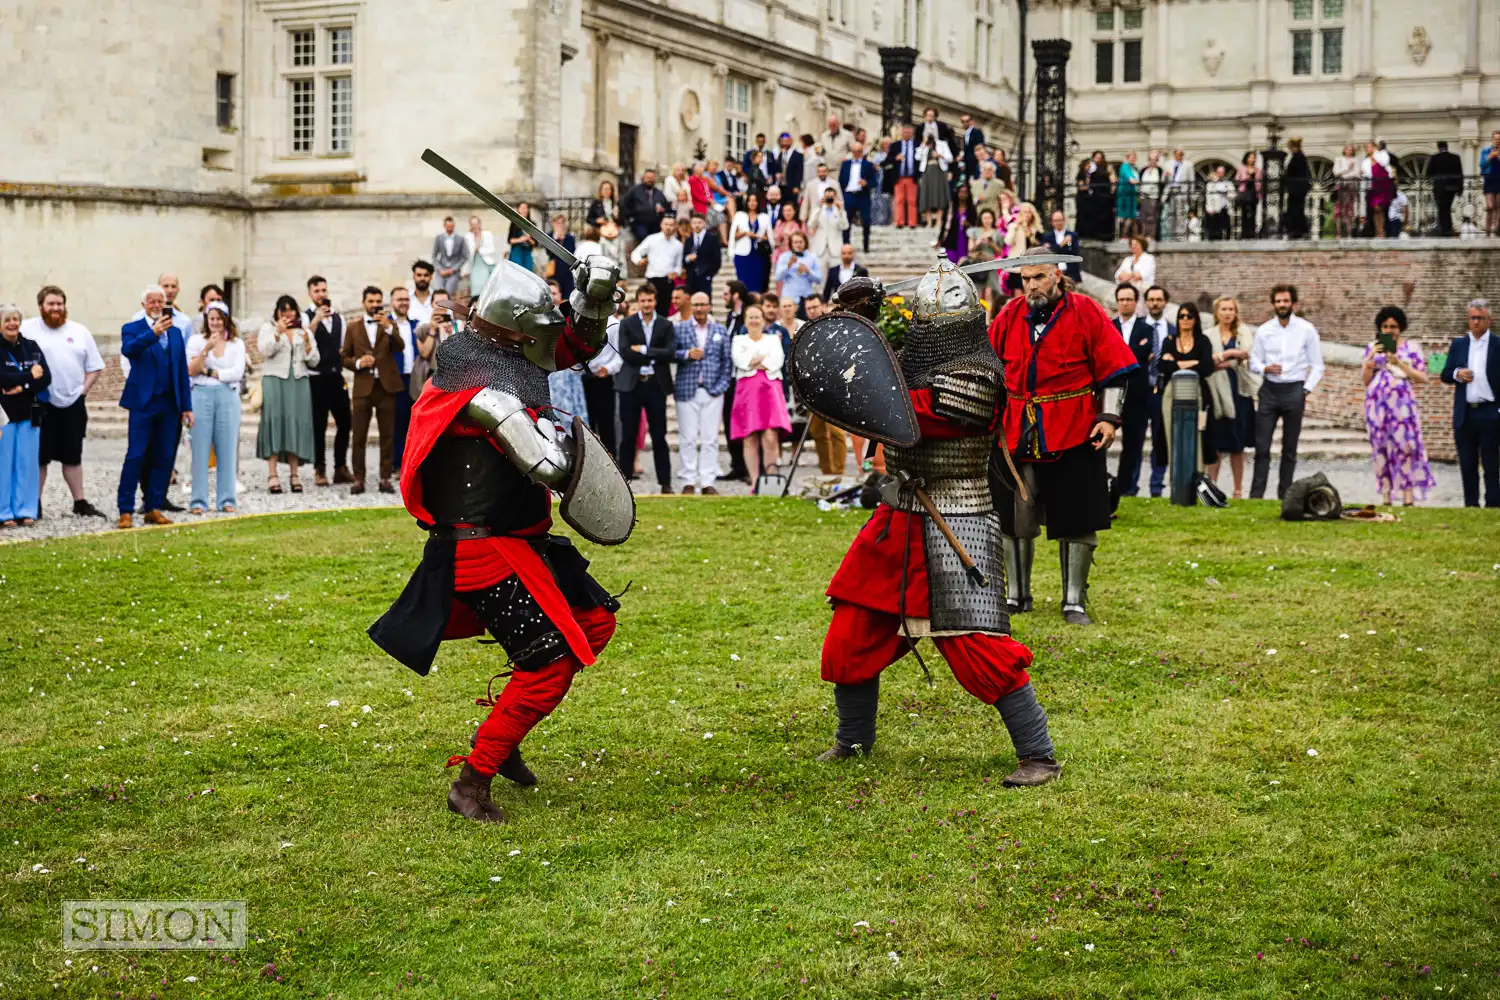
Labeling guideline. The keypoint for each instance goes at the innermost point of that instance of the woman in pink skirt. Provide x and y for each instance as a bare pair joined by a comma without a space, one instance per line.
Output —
759,413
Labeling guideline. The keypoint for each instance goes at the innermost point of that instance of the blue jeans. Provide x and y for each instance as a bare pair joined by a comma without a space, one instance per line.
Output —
19,487
153,428
216,425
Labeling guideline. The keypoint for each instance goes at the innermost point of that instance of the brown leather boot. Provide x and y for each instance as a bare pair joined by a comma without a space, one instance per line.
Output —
126,521
319,479
157,517
1033,771
470,797
840,752
342,476
516,770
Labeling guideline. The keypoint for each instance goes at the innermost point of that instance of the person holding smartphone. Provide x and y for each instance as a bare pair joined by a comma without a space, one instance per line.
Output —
288,352
1392,368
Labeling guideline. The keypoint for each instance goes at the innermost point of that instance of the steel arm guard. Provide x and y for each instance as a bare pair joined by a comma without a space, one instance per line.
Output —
535,447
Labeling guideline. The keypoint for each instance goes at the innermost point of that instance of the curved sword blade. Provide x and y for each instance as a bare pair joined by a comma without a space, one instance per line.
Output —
999,264
469,184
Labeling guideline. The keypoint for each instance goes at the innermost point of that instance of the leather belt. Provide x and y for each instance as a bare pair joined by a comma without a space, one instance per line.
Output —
460,533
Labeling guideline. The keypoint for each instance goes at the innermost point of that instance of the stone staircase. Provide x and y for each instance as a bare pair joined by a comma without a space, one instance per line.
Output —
894,254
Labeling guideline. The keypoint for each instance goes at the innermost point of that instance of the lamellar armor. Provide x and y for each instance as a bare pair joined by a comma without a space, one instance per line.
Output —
947,351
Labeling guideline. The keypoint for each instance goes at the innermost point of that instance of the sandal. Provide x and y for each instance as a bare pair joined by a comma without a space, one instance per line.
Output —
195,509
27,522
7,524
296,485
228,508
274,486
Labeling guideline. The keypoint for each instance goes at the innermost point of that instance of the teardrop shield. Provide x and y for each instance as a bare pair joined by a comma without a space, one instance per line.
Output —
845,372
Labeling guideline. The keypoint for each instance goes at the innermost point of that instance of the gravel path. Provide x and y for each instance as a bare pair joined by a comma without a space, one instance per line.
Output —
104,455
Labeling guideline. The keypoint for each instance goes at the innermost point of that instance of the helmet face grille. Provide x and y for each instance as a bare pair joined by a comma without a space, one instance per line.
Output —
940,343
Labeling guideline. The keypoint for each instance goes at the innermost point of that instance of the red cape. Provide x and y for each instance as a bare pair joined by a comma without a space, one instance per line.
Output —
431,417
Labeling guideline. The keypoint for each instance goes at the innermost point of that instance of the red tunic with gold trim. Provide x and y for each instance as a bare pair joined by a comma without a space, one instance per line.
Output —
1051,378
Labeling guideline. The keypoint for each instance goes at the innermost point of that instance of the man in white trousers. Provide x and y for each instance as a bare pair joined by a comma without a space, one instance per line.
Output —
703,373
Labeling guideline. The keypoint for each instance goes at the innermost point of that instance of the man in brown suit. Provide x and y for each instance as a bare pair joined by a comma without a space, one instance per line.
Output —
372,350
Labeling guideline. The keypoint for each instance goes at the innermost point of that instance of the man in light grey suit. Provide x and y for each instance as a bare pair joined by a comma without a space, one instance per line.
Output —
450,253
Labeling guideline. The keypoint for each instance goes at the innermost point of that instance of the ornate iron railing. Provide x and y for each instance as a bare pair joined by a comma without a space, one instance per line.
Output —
1331,209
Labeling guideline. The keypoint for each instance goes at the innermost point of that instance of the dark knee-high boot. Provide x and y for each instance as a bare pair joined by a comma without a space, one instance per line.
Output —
856,704
1026,722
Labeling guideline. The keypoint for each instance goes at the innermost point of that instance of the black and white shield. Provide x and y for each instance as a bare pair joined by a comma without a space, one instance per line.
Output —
597,503
845,372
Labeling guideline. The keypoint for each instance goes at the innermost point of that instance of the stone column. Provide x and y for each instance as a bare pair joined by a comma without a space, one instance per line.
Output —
601,98
1471,43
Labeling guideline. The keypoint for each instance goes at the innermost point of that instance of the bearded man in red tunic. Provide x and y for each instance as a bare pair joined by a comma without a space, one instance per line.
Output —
482,455
1065,374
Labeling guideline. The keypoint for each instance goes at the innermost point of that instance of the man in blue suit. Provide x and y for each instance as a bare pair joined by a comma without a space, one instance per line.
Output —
159,397
857,177
1061,239
1473,369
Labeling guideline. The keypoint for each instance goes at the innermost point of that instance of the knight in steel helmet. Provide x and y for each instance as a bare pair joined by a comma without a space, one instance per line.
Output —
517,299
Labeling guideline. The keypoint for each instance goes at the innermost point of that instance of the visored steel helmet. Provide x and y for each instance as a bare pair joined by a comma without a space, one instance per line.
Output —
518,299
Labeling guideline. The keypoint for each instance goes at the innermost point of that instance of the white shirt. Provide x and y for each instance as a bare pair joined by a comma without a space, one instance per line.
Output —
485,250
1477,391
1294,347
662,256
1160,331
419,310
448,239
408,339
845,273
743,350
608,360
70,352
647,321
856,175
1397,210
227,369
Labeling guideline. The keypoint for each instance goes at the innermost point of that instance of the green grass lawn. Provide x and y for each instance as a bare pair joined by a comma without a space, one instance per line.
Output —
684,844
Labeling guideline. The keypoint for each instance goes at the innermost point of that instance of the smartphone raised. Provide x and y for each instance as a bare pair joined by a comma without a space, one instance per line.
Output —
1387,342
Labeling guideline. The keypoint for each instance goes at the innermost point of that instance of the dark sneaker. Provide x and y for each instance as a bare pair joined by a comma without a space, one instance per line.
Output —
1033,771
85,509
1077,616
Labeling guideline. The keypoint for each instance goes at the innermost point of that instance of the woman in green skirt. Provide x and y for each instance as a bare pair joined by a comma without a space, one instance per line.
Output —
286,421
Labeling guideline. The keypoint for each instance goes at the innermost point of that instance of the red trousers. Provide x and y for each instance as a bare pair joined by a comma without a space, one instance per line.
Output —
531,695
861,643
904,198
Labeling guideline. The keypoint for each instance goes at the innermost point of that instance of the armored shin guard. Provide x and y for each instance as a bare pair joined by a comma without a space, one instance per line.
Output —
1026,722
857,704
1017,554
1076,556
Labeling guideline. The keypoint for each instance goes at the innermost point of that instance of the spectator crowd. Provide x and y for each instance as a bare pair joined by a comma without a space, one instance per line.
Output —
786,216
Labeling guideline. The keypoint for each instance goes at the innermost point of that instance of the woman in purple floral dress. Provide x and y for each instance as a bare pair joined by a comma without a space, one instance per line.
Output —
1391,412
